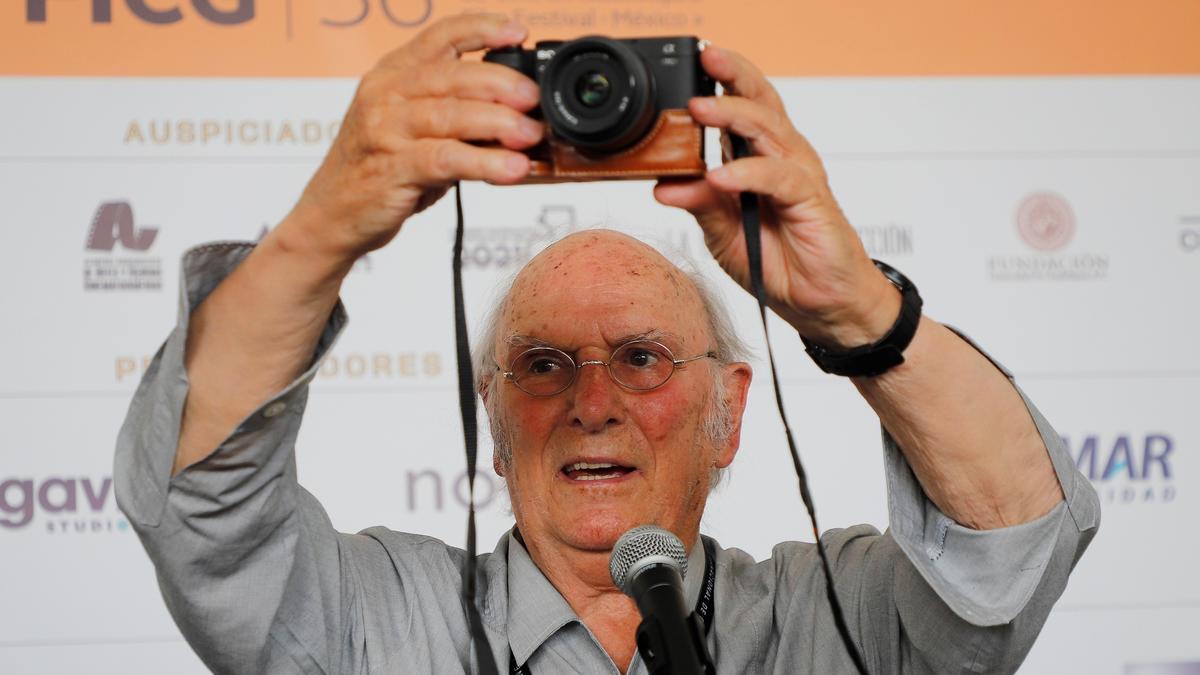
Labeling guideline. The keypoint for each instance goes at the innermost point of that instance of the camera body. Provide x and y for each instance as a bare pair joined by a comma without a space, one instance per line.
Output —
615,108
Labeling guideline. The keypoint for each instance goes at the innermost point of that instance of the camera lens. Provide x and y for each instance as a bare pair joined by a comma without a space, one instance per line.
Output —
598,95
592,89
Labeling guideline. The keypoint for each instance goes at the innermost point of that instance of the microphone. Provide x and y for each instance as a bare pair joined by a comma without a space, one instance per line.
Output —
648,564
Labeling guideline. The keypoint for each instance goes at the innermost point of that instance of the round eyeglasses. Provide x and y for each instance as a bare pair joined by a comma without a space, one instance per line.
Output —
640,365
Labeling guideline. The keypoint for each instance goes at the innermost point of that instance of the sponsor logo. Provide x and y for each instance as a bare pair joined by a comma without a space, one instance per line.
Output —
60,505
1127,468
434,489
107,269
503,248
1046,224
230,132
1189,233
890,240
1045,221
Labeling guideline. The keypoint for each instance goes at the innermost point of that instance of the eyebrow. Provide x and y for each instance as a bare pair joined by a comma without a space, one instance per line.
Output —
654,334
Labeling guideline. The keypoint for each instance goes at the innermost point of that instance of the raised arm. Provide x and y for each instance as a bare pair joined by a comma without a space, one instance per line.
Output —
962,426
248,562
401,145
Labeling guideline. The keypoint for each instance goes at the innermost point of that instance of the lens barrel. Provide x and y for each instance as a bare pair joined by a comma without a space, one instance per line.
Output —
598,94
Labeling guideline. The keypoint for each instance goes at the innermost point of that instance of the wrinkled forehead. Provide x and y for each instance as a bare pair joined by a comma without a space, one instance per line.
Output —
602,285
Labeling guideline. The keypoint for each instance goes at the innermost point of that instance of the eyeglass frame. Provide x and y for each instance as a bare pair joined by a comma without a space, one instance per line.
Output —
510,376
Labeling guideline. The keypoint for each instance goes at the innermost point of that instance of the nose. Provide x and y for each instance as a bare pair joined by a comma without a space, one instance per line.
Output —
596,401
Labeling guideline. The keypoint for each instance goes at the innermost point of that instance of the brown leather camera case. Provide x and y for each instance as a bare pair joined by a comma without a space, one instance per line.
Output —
674,147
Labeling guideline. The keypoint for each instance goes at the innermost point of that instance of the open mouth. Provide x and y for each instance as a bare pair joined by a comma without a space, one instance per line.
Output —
595,471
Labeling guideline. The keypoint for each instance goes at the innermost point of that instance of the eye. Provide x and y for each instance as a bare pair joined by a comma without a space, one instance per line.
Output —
541,363
641,356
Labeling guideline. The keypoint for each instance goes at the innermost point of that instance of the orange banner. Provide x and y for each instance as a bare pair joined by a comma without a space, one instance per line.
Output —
785,37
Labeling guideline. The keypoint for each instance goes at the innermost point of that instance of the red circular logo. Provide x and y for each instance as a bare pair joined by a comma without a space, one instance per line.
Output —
1045,221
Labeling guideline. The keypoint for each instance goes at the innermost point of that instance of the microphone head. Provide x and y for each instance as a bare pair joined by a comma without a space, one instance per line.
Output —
642,547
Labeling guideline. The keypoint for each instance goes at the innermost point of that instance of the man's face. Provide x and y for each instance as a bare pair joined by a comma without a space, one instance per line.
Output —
586,296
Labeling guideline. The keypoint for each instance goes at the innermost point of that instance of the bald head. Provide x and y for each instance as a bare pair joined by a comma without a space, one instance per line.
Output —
607,270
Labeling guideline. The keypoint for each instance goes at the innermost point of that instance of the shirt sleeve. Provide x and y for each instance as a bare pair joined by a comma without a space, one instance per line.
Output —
931,595
234,539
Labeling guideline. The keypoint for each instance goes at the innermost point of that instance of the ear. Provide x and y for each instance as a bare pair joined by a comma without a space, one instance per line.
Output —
737,378
485,389
485,393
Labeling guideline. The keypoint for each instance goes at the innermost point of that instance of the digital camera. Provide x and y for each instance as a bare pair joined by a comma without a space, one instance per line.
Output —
614,108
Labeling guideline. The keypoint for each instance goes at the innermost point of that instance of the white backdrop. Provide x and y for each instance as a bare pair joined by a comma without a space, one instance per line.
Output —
933,171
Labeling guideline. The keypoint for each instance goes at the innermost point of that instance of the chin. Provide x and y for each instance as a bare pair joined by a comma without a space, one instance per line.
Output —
598,530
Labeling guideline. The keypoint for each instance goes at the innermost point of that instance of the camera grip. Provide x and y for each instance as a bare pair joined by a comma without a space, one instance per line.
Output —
673,147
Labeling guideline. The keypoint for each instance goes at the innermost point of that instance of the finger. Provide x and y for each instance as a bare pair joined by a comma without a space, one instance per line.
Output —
768,130
784,181
693,195
469,80
469,120
715,211
438,162
739,76
454,36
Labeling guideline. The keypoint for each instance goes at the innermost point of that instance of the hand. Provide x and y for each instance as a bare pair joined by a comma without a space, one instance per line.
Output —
403,141
816,273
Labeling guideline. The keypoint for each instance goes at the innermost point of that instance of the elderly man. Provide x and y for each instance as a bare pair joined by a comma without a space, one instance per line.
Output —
988,515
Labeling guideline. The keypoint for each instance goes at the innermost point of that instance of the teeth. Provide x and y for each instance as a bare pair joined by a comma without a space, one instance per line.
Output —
584,465
602,476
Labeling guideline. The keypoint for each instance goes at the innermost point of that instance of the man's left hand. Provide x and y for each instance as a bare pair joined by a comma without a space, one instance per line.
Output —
817,275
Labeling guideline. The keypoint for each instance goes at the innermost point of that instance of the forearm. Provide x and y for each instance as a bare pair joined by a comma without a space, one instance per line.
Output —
254,334
965,432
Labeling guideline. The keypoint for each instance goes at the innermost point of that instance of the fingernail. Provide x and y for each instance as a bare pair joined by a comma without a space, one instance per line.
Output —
529,128
721,174
704,104
515,165
528,91
513,31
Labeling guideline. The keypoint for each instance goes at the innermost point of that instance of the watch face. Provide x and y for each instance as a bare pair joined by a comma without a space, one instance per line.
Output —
893,275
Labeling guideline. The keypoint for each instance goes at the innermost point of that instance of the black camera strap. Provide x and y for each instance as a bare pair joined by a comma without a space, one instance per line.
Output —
752,227
466,405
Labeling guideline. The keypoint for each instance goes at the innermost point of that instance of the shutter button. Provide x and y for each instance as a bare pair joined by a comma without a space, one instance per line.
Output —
274,409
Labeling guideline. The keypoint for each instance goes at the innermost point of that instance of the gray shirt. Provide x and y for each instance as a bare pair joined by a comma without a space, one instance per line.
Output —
259,581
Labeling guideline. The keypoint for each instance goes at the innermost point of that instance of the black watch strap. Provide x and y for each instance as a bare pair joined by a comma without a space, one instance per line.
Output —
877,357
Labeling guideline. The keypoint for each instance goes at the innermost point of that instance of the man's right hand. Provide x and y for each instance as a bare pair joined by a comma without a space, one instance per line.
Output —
406,137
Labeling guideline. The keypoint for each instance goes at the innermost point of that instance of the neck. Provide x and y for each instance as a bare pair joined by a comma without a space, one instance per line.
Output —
583,579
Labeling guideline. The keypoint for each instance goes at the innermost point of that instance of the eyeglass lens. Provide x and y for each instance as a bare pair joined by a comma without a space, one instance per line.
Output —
545,371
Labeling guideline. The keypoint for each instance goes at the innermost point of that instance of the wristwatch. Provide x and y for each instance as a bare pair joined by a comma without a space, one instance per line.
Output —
888,352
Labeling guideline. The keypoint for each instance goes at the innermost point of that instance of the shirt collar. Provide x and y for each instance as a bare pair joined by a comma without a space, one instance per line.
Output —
536,610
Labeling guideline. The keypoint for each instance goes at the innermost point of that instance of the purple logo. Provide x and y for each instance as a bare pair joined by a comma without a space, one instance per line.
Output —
1127,468
113,223
103,270
66,505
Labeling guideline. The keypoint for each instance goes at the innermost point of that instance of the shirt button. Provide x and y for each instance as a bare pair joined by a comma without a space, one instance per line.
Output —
274,409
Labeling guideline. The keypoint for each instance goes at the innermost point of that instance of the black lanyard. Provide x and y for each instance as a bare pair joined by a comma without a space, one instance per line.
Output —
705,604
